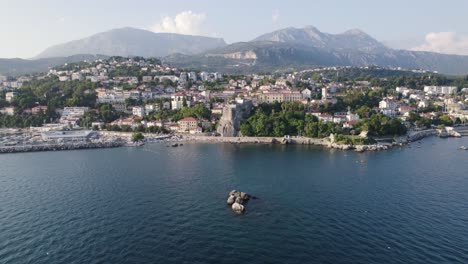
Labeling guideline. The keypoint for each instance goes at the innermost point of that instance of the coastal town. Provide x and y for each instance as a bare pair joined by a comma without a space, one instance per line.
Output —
117,101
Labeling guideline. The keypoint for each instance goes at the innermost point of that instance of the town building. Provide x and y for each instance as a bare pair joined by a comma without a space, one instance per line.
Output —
177,101
10,95
138,111
188,124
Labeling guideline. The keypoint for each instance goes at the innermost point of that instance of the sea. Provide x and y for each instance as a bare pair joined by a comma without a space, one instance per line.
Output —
160,204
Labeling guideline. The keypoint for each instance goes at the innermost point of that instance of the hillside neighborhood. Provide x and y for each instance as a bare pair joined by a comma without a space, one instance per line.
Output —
145,95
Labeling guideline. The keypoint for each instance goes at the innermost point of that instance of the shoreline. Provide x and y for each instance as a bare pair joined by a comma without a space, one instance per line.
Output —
321,142
122,139
58,147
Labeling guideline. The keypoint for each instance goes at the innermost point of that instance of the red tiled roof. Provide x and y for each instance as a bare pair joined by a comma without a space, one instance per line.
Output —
188,119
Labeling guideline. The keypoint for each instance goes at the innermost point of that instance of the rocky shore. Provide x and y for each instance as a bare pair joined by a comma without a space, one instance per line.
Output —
400,141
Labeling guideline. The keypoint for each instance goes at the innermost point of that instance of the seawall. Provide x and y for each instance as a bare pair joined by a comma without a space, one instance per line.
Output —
59,146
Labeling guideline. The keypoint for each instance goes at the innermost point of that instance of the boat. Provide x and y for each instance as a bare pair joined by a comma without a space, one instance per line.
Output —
463,148
175,145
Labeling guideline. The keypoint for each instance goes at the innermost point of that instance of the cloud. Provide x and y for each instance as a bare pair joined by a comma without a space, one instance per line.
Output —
445,42
186,22
275,15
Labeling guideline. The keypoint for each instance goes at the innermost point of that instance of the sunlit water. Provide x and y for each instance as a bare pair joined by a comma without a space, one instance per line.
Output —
155,204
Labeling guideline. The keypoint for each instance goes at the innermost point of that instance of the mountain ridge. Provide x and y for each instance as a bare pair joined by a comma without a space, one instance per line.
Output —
130,41
288,48
299,48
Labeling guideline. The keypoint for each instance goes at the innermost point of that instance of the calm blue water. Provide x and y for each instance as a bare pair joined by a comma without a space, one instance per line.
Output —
168,205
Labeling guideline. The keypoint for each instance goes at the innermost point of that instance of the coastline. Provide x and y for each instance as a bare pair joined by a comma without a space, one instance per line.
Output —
60,146
322,142
123,139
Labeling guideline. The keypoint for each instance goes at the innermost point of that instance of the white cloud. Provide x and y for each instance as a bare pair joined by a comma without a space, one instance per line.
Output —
275,15
445,42
186,22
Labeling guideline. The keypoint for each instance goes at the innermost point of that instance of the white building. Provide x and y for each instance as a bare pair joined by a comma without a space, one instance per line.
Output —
71,115
10,95
204,76
281,96
147,78
306,93
446,90
389,104
64,78
177,101
149,108
192,76
324,93
138,111
76,76
7,111
351,117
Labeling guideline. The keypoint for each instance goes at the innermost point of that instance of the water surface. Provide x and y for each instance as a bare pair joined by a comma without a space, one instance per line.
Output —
168,205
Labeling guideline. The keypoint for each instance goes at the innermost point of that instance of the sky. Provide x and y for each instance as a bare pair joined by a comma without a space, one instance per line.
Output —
27,27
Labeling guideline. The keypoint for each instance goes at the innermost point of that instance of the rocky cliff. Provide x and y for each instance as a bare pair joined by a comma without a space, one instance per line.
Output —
233,115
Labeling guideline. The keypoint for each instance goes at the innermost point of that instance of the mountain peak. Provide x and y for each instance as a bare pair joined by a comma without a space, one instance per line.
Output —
354,39
354,31
311,28
128,41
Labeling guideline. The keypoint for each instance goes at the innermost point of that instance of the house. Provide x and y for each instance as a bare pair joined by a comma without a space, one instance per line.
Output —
389,112
446,90
147,78
149,108
325,94
64,78
349,124
405,109
167,105
178,101
204,76
197,130
281,96
71,115
138,111
389,104
7,111
76,76
99,125
155,123
423,104
306,93
187,124
324,117
133,121
351,117
10,95
37,109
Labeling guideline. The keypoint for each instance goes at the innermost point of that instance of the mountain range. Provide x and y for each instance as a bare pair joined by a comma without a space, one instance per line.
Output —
301,48
128,42
284,49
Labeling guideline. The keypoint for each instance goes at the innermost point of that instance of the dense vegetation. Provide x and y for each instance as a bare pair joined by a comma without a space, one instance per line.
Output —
290,118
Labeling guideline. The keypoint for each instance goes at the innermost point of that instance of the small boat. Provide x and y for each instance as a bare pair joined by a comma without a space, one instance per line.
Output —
463,148
175,145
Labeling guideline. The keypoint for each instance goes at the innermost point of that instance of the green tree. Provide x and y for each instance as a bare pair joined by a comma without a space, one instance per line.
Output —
137,136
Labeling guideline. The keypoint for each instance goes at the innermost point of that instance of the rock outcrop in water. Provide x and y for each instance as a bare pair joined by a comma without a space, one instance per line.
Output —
237,200
233,114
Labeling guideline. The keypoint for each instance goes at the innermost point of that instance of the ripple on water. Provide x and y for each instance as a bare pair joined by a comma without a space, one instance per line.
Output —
167,205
